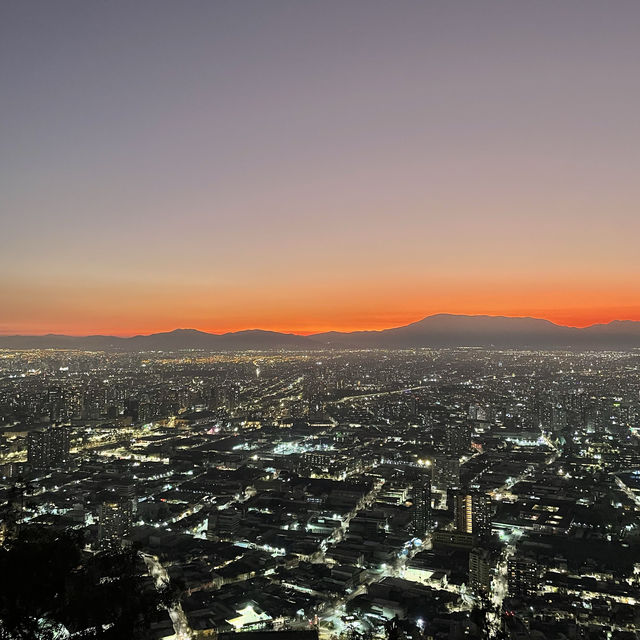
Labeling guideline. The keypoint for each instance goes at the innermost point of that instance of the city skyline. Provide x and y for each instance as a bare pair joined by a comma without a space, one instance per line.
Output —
479,493
344,166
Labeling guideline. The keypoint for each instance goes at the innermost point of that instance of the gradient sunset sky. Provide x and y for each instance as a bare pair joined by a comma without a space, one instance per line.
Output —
314,165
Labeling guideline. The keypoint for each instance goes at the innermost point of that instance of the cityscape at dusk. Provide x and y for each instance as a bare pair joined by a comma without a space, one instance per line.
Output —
319,320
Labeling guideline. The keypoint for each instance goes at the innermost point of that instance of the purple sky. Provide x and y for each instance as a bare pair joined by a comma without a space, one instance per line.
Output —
312,165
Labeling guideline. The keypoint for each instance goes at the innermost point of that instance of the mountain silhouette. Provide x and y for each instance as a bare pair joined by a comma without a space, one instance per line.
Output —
440,330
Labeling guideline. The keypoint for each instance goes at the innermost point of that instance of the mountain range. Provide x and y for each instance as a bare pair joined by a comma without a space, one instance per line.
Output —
441,330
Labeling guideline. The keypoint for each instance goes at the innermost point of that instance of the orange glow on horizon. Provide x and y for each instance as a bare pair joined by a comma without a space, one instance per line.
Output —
306,326
381,301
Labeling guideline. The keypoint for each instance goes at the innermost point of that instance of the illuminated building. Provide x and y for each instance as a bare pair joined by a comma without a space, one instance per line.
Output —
457,439
115,519
522,575
445,473
48,448
479,571
472,513
421,509
126,491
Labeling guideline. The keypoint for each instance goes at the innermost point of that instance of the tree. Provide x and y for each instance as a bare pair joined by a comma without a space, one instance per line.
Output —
47,582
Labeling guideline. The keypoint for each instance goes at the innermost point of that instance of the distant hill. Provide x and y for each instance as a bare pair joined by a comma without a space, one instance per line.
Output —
441,330
446,330
458,330
176,340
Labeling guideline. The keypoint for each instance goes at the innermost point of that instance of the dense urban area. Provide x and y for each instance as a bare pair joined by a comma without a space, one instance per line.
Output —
424,494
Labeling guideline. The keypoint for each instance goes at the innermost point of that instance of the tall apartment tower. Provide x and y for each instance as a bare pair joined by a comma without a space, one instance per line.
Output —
115,518
457,439
445,473
60,440
421,510
472,513
38,450
48,447
125,490
522,575
479,571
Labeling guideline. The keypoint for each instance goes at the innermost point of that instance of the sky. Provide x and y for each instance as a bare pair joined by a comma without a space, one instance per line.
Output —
313,165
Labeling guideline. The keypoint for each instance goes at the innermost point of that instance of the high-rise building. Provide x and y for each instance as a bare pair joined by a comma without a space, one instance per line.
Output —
472,513
477,413
38,449
115,518
125,489
48,447
132,408
59,444
522,575
445,473
457,439
421,509
479,571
